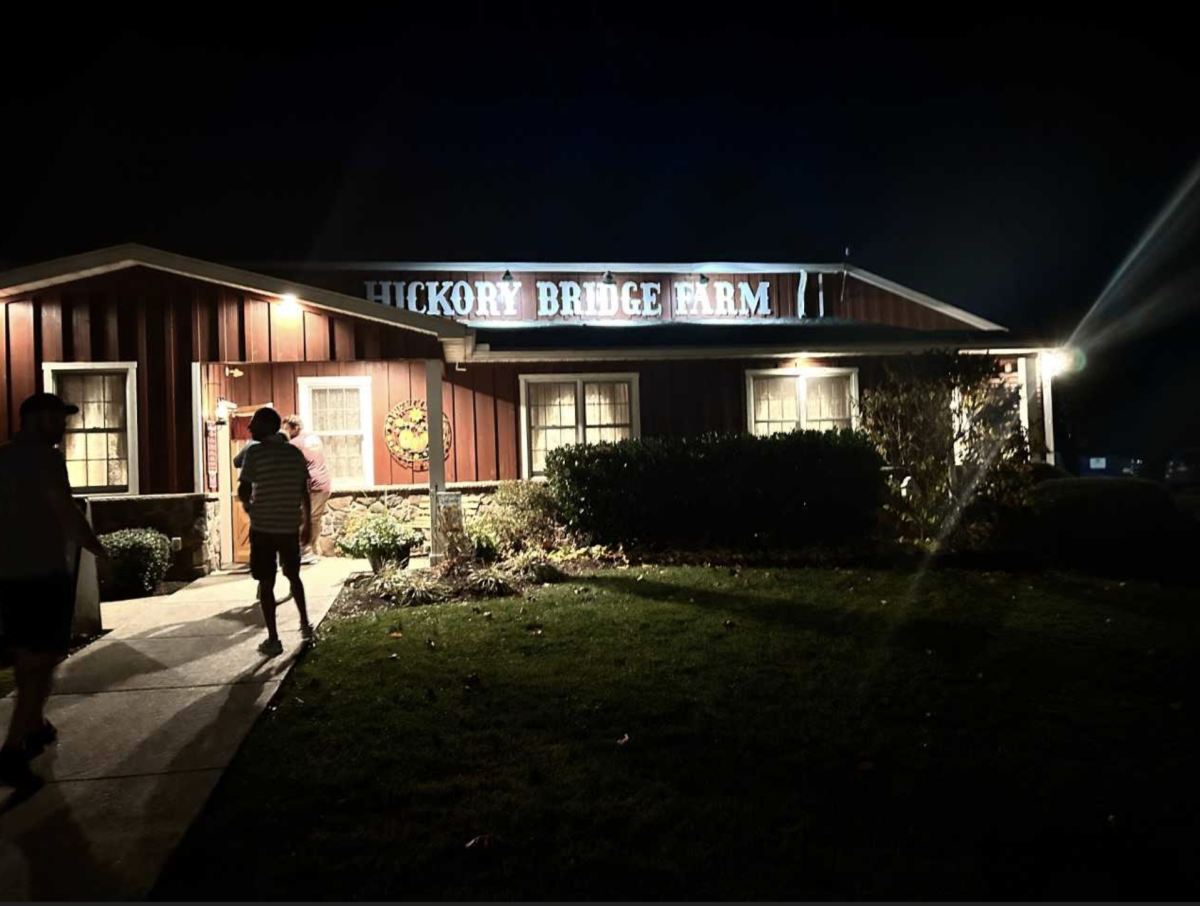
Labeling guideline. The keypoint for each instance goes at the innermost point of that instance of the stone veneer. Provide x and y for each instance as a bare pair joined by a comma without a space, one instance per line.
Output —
408,503
193,518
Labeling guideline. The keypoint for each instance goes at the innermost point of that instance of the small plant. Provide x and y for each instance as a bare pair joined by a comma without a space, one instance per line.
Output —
533,568
379,537
408,588
488,583
140,559
521,515
482,541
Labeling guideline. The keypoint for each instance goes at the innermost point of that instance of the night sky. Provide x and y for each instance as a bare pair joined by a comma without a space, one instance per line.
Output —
1006,165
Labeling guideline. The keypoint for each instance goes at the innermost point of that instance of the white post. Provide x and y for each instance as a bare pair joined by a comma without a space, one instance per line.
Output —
87,587
437,461
1047,409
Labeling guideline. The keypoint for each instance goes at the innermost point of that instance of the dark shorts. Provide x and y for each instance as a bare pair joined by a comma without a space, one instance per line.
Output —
266,546
36,613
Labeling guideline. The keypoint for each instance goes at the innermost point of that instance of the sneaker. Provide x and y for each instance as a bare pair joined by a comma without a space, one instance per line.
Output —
271,648
41,740
15,771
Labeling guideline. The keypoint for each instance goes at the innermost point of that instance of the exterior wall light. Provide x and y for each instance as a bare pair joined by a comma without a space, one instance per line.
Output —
507,278
289,305
608,278
704,279
1061,361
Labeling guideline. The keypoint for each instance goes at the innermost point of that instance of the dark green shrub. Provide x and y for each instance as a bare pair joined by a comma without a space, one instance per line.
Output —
520,516
722,489
140,558
1110,525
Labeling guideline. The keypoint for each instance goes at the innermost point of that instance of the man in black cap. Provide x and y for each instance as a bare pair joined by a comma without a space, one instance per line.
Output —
37,583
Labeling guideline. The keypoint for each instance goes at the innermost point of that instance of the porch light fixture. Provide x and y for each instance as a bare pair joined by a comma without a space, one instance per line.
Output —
704,279
289,305
1061,361
608,278
507,278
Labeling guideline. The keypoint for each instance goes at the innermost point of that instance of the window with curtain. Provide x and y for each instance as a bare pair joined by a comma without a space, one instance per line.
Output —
97,440
787,401
338,411
569,409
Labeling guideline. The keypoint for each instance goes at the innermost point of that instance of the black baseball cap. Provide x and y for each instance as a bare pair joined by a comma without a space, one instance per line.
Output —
46,402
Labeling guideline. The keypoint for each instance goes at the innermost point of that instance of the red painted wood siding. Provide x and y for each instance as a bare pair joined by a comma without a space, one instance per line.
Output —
165,323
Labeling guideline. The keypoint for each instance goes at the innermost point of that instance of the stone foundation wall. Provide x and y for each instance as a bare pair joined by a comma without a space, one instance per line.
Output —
193,518
408,503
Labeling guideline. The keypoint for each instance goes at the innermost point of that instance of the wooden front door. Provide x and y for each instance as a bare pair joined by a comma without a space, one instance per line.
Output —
239,436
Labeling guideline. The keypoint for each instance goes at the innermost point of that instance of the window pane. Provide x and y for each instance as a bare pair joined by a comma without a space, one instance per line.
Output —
74,446
776,405
97,473
352,409
344,455
607,403
828,402
97,446
93,388
118,472
77,473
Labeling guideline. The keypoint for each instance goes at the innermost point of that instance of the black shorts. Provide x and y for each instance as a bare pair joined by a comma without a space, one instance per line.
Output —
36,613
265,546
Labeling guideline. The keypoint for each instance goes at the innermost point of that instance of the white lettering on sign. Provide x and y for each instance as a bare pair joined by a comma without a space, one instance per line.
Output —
569,299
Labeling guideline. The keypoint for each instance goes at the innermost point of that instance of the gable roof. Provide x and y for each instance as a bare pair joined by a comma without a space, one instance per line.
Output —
617,267
120,257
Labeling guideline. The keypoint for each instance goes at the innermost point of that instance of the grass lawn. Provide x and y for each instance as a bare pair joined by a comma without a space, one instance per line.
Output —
790,734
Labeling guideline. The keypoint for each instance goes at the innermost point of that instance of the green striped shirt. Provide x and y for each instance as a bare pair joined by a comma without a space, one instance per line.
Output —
278,477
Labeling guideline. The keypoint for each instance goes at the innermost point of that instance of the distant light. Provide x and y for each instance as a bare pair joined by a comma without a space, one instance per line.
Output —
1062,361
608,278
704,279
507,278
289,305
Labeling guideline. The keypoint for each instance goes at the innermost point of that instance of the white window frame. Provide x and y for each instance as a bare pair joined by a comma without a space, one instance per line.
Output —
355,381
635,412
800,374
50,369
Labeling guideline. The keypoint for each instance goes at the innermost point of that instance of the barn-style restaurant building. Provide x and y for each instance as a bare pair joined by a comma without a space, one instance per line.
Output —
167,356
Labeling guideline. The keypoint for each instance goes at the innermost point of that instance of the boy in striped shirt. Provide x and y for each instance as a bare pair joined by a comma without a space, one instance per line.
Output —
273,486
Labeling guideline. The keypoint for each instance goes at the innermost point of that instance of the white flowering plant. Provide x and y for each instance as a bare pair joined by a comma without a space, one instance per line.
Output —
380,537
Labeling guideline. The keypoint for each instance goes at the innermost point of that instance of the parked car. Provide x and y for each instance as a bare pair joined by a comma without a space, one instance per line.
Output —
1183,470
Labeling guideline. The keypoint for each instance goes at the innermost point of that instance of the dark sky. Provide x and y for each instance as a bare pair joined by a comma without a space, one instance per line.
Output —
1003,164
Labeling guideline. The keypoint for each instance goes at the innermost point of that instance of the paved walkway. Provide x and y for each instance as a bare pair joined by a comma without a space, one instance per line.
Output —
148,717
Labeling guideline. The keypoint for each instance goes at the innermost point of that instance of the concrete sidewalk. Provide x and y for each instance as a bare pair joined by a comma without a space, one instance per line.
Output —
148,717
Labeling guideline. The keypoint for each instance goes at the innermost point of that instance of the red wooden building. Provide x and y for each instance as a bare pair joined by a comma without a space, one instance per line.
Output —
167,354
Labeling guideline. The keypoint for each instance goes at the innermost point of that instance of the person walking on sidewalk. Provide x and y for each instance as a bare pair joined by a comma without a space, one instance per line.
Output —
37,582
273,486
319,481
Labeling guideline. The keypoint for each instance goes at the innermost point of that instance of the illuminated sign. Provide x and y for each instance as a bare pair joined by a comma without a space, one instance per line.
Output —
645,298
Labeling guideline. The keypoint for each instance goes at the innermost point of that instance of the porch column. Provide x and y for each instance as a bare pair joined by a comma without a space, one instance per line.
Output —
1047,407
437,462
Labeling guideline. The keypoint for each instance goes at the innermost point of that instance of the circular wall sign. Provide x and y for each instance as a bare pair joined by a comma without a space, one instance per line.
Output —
406,429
